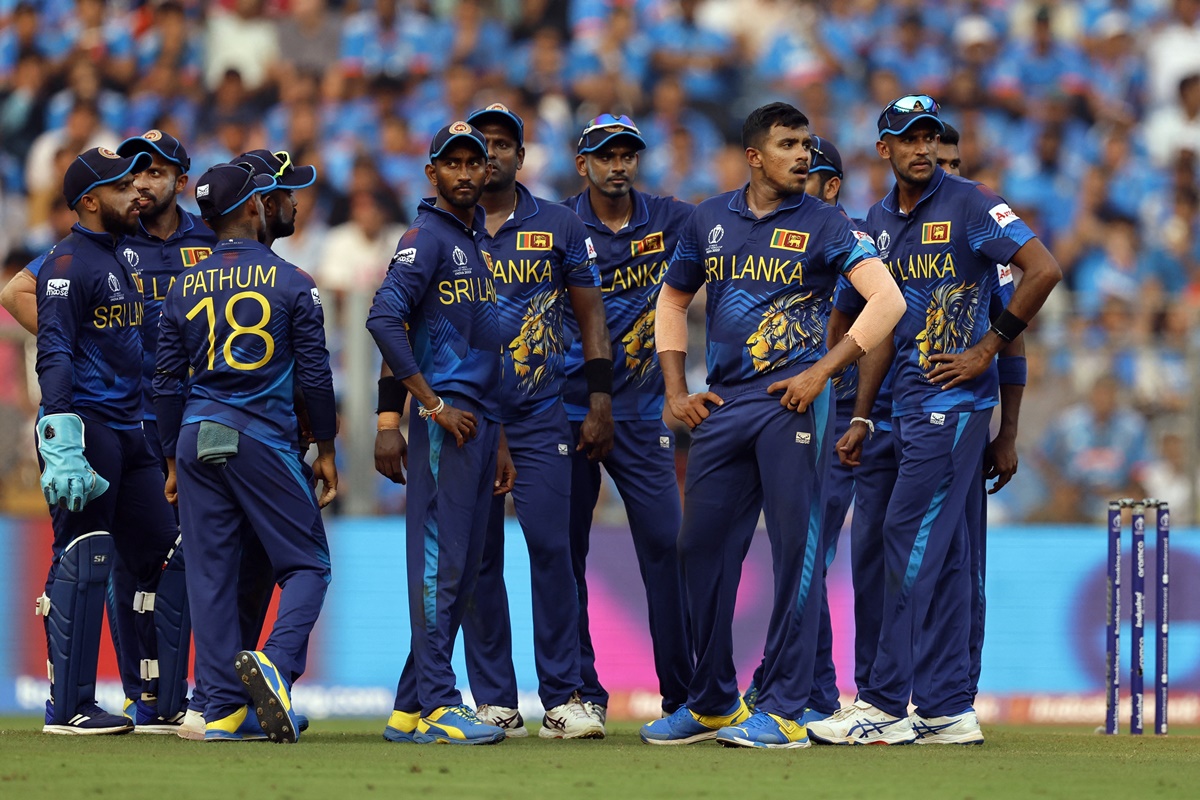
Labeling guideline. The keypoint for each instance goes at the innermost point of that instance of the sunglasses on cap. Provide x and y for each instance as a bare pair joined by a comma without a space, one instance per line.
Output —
285,162
914,103
249,175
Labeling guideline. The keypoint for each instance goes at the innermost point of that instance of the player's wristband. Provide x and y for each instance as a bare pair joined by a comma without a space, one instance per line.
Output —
1013,370
432,413
1008,326
870,425
392,395
599,374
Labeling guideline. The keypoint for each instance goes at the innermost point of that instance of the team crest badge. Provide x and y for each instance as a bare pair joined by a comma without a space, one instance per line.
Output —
152,135
104,151
460,127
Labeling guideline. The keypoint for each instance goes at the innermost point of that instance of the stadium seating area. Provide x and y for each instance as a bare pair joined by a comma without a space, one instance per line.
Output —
1084,114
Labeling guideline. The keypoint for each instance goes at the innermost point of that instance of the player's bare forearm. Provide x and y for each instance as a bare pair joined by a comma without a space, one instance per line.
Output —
872,370
587,304
838,327
420,389
19,298
1041,274
690,409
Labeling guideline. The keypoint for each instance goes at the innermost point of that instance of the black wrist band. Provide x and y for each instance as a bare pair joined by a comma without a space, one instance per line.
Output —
598,372
1008,326
392,395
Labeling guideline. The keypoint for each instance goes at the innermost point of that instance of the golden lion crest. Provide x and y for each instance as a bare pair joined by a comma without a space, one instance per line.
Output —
538,342
789,326
639,345
949,321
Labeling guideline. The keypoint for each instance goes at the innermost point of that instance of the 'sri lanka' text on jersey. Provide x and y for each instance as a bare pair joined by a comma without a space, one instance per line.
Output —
950,257
236,334
435,312
542,249
631,263
769,280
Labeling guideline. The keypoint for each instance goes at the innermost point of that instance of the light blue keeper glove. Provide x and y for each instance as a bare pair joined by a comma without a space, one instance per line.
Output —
68,480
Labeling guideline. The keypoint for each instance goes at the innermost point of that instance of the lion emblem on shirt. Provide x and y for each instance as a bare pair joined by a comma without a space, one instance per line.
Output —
789,326
949,321
639,345
538,342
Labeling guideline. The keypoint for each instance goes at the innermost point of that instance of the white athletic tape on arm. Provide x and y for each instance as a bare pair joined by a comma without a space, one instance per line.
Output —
670,319
885,305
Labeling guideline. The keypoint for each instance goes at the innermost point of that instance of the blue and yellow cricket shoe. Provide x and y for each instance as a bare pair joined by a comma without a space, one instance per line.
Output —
269,696
687,727
764,730
402,726
128,710
240,726
456,725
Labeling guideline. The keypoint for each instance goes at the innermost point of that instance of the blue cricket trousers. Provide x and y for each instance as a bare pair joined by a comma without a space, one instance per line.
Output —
262,491
753,454
923,639
541,446
642,464
449,503
874,478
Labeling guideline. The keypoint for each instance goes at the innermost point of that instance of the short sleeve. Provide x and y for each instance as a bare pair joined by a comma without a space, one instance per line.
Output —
686,271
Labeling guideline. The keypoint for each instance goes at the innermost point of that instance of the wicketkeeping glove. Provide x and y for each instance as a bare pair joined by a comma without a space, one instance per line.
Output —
68,480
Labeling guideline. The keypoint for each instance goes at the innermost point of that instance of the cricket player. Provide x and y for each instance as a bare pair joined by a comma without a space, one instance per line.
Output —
949,240
235,332
768,256
634,234
435,321
542,260
103,493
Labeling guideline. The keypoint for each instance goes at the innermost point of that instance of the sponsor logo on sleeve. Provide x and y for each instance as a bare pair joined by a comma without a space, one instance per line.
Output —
1003,215
795,241
58,287
316,296
535,240
864,237
935,233
1005,273
202,190
406,256
654,243
591,248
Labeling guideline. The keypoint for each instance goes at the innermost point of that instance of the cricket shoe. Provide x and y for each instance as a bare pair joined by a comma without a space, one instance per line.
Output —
147,720
812,715
597,712
862,723
91,720
751,696
269,696
508,718
686,727
402,726
954,729
765,730
127,710
570,721
192,727
456,725
240,726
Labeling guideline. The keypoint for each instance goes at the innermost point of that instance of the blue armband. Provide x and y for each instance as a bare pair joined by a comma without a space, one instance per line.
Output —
1013,370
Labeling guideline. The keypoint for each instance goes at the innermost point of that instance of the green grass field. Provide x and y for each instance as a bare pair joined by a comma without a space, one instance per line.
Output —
346,759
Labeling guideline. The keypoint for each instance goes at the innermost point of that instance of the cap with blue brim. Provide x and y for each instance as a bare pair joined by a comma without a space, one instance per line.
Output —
97,167
498,112
606,128
456,133
157,142
278,165
825,157
902,114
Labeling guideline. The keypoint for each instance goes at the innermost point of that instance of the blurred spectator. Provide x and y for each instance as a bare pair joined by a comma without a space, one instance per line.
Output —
309,38
1167,475
81,131
699,56
1176,127
1173,52
244,41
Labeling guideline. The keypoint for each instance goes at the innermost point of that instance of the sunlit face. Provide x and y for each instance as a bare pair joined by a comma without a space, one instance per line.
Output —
611,170
913,154
784,158
117,204
459,175
157,187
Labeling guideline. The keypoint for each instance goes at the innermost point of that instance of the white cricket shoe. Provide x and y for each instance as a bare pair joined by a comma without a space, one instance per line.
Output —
509,719
862,723
954,729
192,726
597,711
570,721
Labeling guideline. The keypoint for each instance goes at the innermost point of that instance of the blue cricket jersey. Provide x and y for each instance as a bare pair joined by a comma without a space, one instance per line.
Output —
89,339
769,280
236,333
950,256
536,254
631,264
435,312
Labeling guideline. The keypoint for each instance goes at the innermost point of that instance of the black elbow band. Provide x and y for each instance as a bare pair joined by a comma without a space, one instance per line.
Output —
392,395
1008,326
599,374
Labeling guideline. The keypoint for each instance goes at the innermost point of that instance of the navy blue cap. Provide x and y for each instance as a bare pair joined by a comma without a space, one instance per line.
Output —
224,187
825,157
606,127
498,112
97,167
280,167
900,115
456,132
156,142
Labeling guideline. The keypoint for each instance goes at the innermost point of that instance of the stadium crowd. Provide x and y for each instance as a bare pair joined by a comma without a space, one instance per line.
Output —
1084,114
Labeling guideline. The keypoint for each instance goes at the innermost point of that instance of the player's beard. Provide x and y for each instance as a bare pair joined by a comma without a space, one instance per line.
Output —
113,220
279,226
157,208
462,201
